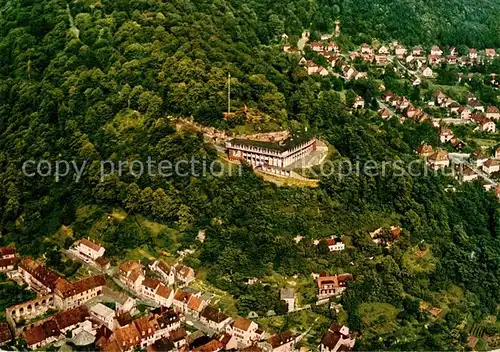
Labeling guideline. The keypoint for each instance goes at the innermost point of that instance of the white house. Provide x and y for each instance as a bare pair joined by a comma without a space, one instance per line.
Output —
103,314
90,249
491,166
335,244
288,295
245,332
214,318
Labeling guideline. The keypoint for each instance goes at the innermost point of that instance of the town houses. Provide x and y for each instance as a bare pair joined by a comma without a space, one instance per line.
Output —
91,251
337,338
332,285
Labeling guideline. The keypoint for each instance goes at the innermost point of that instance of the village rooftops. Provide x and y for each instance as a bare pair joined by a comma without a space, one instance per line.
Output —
287,144
42,332
92,245
5,334
7,251
71,317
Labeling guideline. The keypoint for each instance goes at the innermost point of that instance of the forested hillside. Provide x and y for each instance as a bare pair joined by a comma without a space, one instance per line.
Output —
95,80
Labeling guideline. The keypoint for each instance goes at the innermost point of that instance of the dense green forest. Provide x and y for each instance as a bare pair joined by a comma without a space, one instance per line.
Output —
95,80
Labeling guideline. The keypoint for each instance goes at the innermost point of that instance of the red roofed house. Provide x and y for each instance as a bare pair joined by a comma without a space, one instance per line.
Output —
332,46
42,335
7,253
8,264
445,135
335,244
424,150
472,54
282,342
196,305
330,286
336,339
492,112
155,290
359,103
436,50
400,51
245,332
464,112
490,53
166,271
131,273
439,159
490,166
214,318
90,249
484,123
385,114
72,294
37,276
184,274
316,46
366,49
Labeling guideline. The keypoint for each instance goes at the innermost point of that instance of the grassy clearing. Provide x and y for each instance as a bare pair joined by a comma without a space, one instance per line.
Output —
222,299
419,261
379,318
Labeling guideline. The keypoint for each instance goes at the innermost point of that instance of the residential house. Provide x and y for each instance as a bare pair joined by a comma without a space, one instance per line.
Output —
383,50
436,50
464,112
439,97
336,339
282,342
54,329
472,54
126,337
195,306
178,337
181,300
385,113
439,159
288,295
475,105
383,237
7,253
167,272
322,71
457,144
5,334
245,332
427,71
452,60
155,290
497,153
490,166
330,286
434,60
417,51
388,96
90,249
424,150
42,334
490,53
184,275
104,315
316,46
478,157
131,273
214,318
492,112
445,135
335,244
464,61
332,46
73,294
37,276
8,264
400,51
467,174
484,123
359,103
381,59
366,49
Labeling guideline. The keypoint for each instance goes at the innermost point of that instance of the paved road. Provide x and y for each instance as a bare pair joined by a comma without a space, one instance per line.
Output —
461,158
302,42
452,121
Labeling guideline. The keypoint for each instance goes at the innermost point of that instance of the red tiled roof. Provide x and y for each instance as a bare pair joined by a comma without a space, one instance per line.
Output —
40,272
92,245
195,303
151,283
163,291
71,317
242,323
7,251
68,289
281,339
492,110
8,262
127,336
